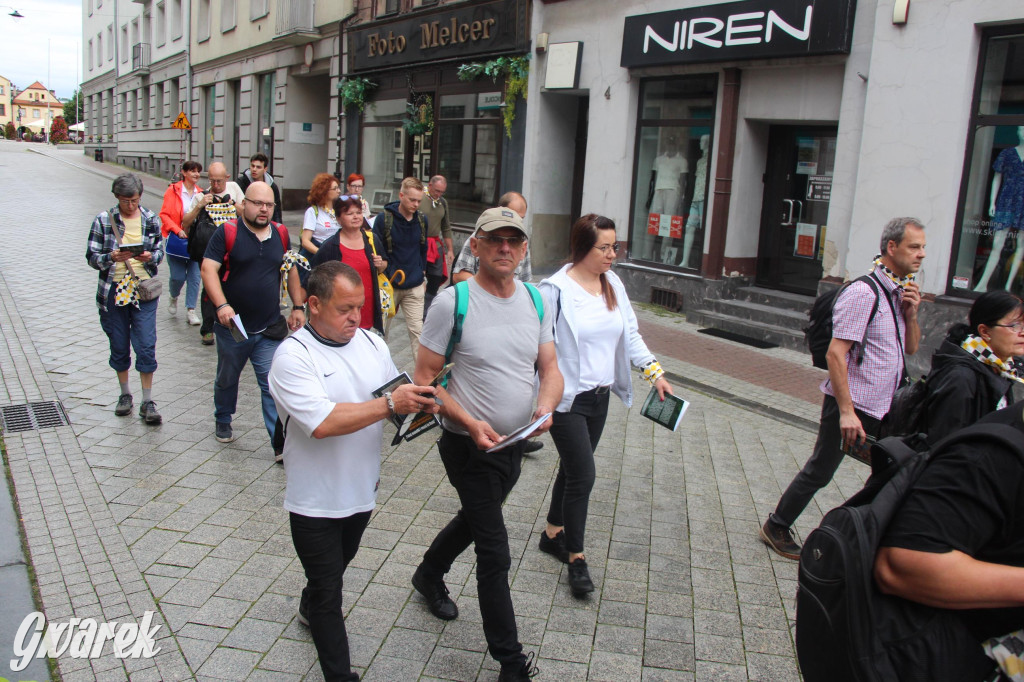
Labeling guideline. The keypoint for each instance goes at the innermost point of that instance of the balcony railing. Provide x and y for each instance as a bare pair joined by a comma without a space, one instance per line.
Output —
140,57
295,21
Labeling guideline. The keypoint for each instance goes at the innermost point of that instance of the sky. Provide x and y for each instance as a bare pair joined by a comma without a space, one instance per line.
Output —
48,25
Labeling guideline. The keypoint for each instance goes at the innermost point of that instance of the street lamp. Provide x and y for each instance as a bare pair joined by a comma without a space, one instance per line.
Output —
13,13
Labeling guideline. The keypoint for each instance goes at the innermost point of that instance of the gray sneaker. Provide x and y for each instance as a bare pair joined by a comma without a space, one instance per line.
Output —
149,414
223,433
780,539
124,405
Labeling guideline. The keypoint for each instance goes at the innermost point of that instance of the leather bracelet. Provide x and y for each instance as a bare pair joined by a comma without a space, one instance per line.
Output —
299,307
223,305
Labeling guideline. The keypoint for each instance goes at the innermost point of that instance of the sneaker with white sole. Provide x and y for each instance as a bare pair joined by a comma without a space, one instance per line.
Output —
223,433
172,307
193,318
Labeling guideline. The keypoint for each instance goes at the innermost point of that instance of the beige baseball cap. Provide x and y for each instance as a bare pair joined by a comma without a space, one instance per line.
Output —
499,217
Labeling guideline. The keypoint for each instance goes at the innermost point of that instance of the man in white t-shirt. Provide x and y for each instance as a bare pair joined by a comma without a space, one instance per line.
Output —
322,379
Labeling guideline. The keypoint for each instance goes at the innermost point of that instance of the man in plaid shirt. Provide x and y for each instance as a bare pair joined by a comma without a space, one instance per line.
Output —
858,395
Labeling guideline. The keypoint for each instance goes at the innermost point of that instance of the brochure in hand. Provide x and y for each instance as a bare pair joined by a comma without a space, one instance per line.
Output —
519,434
408,426
134,249
668,412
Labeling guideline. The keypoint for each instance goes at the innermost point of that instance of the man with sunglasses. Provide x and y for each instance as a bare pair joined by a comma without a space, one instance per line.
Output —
467,264
489,395
250,288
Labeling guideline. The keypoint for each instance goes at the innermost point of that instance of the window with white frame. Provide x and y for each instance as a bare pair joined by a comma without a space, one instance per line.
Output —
160,29
227,16
258,9
175,19
203,21
110,45
124,43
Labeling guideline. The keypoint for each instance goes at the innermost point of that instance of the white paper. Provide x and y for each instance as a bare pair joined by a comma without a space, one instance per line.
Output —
520,433
237,319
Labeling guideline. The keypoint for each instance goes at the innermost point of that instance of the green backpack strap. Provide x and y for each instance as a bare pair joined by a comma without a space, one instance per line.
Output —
462,305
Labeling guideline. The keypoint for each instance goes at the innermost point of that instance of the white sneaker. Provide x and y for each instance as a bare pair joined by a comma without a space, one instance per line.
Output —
193,319
172,308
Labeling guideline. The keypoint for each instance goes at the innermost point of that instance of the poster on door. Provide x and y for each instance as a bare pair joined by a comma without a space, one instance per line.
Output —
806,244
664,225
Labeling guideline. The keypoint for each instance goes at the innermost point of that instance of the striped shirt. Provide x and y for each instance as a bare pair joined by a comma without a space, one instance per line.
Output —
873,382
102,243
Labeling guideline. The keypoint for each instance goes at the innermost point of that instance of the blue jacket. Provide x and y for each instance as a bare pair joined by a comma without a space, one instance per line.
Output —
408,251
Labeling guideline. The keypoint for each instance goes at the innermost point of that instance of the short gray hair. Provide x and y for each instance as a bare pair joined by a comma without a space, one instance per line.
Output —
127,185
894,229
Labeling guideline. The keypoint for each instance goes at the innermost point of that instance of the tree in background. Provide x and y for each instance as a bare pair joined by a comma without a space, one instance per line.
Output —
10,132
71,108
58,130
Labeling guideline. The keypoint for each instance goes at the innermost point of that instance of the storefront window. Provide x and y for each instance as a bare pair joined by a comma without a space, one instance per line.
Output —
670,187
468,152
381,157
990,243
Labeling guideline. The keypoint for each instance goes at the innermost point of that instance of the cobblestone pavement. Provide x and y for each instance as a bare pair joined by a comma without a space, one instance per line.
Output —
122,518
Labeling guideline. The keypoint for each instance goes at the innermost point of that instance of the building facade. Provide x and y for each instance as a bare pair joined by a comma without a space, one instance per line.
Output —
750,152
136,81
6,115
34,108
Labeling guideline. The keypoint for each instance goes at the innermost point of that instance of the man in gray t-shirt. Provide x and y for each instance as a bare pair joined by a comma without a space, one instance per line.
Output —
490,394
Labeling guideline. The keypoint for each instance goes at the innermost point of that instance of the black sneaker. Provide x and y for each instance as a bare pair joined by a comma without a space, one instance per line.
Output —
780,538
521,672
579,578
436,594
223,433
303,615
149,414
124,405
554,546
532,445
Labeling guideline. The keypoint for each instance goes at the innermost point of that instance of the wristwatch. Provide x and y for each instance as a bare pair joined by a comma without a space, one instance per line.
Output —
391,403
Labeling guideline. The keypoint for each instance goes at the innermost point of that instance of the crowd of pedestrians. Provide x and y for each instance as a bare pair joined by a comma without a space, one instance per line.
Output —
551,354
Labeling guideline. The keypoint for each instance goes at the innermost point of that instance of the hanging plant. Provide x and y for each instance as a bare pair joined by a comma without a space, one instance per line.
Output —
354,91
516,73
419,115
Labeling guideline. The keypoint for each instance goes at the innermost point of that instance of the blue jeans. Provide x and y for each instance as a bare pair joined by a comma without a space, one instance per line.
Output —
184,272
231,359
129,327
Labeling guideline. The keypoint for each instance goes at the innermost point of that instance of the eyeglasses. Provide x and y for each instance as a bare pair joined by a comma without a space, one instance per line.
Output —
1017,327
604,248
497,240
356,186
335,188
262,205
126,200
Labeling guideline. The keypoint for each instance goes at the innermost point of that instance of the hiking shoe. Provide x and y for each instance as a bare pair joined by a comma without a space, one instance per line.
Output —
172,307
436,594
208,339
531,446
124,405
521,672
554,546
149,414
192,318
579,578
780,538
223,433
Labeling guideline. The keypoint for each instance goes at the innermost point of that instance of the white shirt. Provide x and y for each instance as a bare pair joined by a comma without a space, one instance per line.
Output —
599,330
337,476
669,168
321,223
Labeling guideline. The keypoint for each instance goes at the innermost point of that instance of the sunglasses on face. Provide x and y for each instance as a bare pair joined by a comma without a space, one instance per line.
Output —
498,240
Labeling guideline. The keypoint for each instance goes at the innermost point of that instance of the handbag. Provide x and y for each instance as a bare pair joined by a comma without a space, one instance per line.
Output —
146,289
387,292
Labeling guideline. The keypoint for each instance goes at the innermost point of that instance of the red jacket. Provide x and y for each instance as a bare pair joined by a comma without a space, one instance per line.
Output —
172,211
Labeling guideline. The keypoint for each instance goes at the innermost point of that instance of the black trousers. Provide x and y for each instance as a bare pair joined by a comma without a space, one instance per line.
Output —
821,467
576,434
209,313
483,482
325,547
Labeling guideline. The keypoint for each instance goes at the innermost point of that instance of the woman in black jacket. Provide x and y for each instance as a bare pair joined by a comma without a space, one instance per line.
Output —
973,371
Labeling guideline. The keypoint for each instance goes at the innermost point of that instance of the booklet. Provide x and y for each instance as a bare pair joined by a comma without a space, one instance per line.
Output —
668,412
238,329
134,249
519,434
409,426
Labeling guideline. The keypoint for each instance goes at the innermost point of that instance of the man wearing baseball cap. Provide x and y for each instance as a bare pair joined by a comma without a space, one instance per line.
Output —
489,395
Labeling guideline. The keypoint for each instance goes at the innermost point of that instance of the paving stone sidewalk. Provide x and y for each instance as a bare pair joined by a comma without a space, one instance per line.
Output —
122,518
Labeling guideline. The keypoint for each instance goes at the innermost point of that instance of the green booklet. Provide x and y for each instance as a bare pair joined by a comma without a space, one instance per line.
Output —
668,412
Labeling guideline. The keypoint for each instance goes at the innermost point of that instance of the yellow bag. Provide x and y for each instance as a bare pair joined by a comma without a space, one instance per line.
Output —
387,292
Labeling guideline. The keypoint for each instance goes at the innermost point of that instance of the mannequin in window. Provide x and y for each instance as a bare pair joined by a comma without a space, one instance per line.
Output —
1006,208
668,179
695,217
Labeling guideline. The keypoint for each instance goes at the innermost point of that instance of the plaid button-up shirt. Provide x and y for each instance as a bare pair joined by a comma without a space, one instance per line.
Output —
102,243
873,382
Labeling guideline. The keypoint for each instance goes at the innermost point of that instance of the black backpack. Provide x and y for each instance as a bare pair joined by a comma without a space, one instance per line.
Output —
818,332
199,236
908,414
846,629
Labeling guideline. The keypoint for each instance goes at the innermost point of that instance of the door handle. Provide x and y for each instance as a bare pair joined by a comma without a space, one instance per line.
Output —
789,218
800,210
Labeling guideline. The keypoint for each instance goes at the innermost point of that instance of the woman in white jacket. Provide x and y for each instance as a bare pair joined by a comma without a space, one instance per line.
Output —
597,339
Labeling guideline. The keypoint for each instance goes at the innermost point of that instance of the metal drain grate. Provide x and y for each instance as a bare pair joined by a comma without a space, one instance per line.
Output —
667,298
32,416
